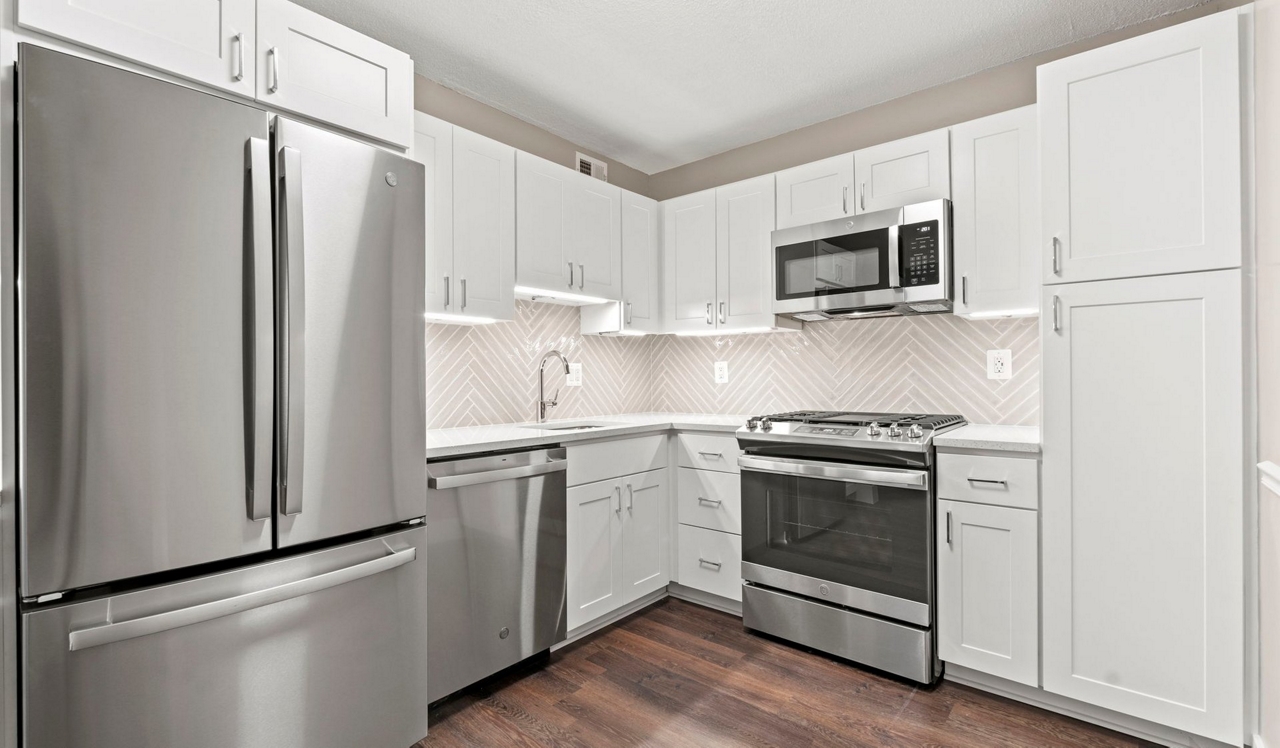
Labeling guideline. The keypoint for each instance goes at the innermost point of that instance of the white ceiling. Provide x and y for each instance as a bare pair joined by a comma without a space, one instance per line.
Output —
659,83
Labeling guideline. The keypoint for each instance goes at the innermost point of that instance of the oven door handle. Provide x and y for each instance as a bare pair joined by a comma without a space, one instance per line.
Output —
877,476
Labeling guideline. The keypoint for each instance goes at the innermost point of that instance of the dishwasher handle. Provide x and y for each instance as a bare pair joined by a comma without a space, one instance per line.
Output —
491,476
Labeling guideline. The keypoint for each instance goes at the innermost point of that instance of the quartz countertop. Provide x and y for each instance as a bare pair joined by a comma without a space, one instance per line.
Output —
988,436
477,439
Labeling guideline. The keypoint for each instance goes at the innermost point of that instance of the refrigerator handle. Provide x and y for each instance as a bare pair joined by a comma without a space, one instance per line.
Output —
258,491
291,307
110,633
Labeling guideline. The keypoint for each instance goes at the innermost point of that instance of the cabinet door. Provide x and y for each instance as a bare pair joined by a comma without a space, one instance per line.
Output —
744,220
996,213
209,42
988,590
595,237
911,170
593,554
641,264
689,248
815,192
544,195
1140,155
319,68
1142,505
645,534
433,148
484,231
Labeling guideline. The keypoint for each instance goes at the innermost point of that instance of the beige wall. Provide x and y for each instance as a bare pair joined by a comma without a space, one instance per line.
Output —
995,90
463,111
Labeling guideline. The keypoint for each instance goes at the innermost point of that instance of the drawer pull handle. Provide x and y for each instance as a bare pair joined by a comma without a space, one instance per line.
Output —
716,564
710,502
716,455
988,481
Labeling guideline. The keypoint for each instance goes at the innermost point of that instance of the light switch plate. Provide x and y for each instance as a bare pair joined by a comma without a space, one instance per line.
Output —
722,372
575,376
999,364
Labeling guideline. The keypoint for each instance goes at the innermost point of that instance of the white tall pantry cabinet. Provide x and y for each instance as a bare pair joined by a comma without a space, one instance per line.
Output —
1143,378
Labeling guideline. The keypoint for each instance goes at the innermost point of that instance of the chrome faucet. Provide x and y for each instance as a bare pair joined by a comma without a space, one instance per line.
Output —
543,402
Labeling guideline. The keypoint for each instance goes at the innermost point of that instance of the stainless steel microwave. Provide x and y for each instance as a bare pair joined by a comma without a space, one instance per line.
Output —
888,263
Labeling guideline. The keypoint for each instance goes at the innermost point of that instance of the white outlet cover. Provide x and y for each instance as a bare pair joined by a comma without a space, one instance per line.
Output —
575,376
1000,364
722,372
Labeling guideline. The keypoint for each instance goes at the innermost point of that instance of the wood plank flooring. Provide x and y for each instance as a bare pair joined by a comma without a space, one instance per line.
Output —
678,674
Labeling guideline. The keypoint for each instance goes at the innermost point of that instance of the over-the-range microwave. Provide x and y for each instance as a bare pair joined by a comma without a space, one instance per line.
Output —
887,263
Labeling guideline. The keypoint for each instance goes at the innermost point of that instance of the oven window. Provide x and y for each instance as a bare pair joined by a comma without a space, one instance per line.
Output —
839,264
871,537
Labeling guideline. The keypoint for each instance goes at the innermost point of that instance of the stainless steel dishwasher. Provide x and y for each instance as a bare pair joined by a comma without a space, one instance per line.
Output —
495,564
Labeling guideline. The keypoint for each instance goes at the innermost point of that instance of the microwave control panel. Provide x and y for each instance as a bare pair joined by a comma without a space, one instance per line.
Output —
918,244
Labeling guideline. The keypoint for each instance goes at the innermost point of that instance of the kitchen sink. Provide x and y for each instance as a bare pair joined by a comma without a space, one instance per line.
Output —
566,426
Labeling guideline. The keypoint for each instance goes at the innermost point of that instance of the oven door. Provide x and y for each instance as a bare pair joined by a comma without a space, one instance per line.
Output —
852,535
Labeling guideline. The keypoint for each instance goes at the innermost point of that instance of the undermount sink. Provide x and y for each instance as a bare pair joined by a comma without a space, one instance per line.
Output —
566,426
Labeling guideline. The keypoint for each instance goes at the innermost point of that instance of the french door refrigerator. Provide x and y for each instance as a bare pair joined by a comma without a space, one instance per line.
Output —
221,421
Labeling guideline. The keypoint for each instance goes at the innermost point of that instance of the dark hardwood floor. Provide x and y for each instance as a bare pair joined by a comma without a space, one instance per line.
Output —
677,674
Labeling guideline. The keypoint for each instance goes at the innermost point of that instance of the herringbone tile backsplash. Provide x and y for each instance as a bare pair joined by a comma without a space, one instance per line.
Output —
936,363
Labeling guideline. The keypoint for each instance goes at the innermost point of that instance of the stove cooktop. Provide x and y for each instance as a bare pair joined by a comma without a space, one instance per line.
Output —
912,431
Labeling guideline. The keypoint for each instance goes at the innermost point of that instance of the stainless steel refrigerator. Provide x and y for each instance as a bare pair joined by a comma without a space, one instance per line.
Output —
221,421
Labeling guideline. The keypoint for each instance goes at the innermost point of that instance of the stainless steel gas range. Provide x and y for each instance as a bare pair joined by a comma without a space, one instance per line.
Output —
837,534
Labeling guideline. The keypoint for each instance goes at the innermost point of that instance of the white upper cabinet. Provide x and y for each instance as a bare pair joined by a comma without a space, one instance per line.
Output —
744,221
689,253
1142,513
995,183
433,148
1140,153
911,170
210,42
319,68
484,231
569,235
641,264
815,192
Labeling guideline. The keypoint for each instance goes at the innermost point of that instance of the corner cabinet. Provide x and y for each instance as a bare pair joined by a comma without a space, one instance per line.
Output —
211,43
1142,512
640,310
995,185
1140,148
470,213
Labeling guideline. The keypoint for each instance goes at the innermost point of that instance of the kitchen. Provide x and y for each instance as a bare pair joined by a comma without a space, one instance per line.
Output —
932,406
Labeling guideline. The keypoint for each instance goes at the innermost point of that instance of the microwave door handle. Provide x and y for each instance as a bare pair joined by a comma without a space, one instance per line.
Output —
895,253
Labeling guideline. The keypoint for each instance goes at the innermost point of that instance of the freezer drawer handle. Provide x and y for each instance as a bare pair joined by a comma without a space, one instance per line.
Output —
490,476
111,633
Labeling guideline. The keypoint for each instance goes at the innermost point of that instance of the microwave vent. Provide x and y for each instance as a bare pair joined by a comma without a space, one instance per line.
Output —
593,167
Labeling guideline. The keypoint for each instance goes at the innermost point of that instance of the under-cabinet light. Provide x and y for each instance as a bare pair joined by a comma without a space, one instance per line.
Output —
458,319
542,293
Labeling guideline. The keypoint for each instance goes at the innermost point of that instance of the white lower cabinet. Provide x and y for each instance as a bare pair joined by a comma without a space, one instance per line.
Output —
617,540
710,561
988,589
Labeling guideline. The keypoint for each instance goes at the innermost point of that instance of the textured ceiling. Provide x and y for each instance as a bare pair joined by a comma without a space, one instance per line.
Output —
659,83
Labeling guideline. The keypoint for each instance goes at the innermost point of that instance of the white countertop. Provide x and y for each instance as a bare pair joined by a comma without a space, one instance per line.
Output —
475,439
988,436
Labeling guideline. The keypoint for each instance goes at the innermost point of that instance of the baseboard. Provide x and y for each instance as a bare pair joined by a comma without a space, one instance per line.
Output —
705,599
588,629
1140,728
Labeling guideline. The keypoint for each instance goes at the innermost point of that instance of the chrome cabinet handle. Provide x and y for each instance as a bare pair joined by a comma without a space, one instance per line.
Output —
844,199
463,282
258,492
1057,323
705,562
110,633
948,527
722,313
617,488
964,290
446,292
274,54
710,502
711,454
709,320
238,40
989,481
582,275
631,496
862,196
628,316
570,263
1057,268
292,338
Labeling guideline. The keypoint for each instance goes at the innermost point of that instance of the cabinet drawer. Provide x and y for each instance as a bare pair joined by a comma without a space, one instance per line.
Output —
612,459
710,561
710,499
1001,481
707,452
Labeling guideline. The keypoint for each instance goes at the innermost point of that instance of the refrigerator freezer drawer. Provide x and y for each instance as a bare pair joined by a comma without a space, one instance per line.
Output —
327,649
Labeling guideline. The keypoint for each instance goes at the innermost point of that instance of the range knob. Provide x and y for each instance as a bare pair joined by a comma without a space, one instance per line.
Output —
766,424
894,431
915,432
752,423
873,429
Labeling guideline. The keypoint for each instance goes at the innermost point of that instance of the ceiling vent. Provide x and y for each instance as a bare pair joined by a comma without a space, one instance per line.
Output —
593,167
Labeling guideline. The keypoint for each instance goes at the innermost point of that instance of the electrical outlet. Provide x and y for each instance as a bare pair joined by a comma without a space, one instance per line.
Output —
575,376
999,364
722,372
